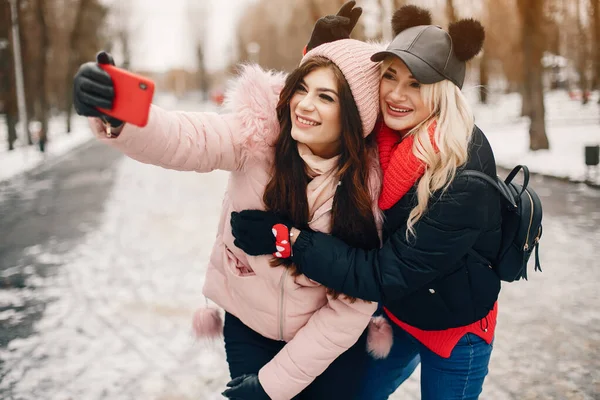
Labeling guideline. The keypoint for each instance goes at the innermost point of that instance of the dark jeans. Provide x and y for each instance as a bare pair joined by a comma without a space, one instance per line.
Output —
459,377
247,352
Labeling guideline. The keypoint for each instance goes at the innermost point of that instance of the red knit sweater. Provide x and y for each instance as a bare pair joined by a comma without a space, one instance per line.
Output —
401,170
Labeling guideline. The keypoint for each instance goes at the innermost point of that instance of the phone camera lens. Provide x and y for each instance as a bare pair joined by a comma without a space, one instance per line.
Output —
143,86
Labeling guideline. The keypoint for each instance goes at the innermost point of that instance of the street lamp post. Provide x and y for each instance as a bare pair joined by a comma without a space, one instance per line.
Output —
19,71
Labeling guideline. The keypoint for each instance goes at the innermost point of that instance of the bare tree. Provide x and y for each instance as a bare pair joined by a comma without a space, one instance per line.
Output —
595,23
51,51
450,11
7,88
396,4
84,41
281,29
7,95
533,42
123,23
73,60
582,56
20,13
198,14
41,107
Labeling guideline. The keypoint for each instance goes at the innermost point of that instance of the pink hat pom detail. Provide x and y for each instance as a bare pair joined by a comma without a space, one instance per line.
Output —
379,337
207,323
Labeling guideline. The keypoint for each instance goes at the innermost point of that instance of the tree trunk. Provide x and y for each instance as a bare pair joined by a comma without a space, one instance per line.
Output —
124,38
73,60
483,78
42,102
596,39
538,140
69,113
397,4
202,78
68,104
21,59
7,91
450,11
526,99
11,125
314,11
582,56
531,12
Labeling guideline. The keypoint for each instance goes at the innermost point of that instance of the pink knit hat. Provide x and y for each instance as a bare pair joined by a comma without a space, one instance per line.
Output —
353,58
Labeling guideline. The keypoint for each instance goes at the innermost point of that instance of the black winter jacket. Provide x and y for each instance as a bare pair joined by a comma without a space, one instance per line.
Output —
430,282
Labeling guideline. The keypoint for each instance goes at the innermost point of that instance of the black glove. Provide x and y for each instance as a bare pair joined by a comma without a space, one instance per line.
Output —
245,387
93,87
253,231
335,27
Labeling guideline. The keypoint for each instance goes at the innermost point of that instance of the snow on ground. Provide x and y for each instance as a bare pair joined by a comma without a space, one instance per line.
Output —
117,324
570,127
25,158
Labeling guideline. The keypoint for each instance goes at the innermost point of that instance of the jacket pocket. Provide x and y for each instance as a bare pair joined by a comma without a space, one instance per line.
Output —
235,267
484,285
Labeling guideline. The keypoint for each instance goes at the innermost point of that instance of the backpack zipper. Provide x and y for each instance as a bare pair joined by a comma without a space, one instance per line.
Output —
526,247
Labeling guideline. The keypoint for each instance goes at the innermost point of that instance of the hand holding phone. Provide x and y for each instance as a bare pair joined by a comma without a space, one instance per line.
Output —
132,96
102,90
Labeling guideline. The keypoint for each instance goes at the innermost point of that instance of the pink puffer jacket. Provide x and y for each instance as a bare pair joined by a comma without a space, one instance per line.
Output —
269,300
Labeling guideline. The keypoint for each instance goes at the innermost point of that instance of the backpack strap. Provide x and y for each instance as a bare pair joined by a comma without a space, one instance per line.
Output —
496,183
538,267
514,172
501,187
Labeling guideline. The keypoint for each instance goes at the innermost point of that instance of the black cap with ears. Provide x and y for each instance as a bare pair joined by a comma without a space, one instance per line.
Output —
430,53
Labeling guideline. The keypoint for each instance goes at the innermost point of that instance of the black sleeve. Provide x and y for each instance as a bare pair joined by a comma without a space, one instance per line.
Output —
444,235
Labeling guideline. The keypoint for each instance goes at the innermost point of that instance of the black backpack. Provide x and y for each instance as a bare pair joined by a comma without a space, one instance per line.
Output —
521,225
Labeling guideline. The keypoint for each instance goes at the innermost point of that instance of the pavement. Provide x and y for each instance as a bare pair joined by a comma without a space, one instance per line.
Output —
102,262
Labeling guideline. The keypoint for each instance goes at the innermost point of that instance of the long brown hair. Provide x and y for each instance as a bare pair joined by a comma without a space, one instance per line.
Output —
352,215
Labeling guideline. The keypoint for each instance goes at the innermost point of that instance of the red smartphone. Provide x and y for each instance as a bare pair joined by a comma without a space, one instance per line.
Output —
133,96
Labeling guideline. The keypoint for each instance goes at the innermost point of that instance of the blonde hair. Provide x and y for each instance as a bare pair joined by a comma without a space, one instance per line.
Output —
455,123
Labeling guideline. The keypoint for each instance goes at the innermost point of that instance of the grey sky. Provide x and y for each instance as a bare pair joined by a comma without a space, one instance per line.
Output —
163,33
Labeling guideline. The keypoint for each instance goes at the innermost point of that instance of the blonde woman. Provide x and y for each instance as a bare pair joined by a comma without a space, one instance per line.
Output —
439,300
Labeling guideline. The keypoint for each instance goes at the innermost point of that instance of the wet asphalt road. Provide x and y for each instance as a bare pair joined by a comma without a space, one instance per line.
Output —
49,209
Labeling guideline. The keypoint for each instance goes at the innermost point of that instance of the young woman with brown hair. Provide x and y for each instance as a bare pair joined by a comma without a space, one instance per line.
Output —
297,147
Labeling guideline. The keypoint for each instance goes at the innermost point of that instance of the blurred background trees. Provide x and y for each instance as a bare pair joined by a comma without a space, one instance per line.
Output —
531,46
56,37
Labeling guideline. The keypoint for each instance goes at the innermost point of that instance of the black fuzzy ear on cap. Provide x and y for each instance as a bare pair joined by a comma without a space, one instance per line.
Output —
408,16
467,38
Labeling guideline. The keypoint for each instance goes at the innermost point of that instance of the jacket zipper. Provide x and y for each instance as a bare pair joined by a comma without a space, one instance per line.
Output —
281,302
526,247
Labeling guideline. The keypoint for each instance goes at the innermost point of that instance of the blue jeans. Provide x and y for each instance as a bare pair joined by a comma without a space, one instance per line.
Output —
459,377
